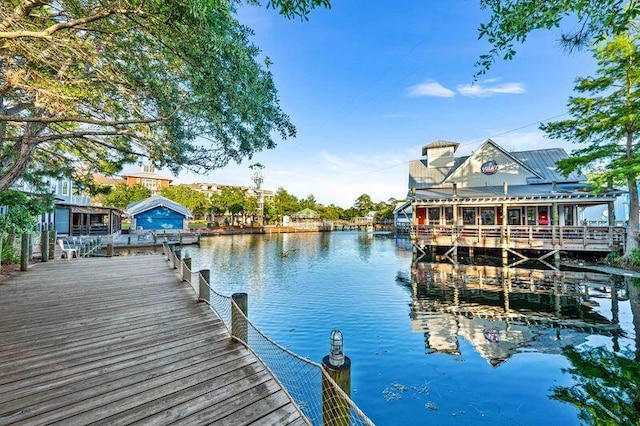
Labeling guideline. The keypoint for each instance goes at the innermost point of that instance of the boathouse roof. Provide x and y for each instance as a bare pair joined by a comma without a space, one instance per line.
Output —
151,203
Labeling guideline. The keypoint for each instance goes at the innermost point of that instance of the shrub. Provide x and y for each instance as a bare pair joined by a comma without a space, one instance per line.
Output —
634,257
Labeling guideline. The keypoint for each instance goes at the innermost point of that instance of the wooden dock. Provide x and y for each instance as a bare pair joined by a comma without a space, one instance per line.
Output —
122,340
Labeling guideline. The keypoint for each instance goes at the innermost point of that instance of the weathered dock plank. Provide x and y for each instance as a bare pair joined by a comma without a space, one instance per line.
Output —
122,340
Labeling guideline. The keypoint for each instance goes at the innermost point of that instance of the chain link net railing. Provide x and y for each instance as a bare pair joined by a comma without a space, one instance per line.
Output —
308,384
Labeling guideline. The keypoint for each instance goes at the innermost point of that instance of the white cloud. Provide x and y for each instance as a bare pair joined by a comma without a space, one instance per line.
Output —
430,88
485,88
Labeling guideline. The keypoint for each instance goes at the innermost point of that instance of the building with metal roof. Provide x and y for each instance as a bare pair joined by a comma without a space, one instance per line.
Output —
497,191
157,213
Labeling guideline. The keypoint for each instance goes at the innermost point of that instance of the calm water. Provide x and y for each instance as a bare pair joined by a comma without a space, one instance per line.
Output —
432,344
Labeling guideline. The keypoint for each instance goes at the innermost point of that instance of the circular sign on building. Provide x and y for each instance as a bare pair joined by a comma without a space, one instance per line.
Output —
489,168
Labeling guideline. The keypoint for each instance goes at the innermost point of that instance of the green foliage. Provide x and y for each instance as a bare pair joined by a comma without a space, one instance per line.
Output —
606,120
363,204
23,211
285,204
607,386
512,21
634,257
105,82
612,258
195,201
123,195
9,253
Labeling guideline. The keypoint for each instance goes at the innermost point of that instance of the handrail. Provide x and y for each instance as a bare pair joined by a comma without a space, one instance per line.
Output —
301,378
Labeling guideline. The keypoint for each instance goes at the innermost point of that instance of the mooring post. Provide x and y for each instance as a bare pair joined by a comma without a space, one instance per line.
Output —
110,250
335,407
239,313
44,244
186,269
30,247
24,252
53,234
180,239
204,282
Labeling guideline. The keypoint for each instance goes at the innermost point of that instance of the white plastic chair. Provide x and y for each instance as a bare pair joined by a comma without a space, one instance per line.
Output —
67,251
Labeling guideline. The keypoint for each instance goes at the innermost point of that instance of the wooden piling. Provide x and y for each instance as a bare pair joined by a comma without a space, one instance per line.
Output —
24,252
335,407
239,313
53,234
110,250
44,246
204,281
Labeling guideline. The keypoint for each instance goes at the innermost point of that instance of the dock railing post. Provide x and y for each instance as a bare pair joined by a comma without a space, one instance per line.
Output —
239,313
24,252
52,243
335,407
44,244
186,269
204,281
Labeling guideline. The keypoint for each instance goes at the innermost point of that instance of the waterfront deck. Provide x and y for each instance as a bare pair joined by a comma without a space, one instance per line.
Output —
122,340
544,238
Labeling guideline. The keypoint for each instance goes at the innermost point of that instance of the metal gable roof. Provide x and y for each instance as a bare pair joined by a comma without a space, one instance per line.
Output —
156,201
543,161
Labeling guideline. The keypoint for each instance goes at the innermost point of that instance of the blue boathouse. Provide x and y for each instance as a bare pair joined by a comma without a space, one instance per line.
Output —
158,213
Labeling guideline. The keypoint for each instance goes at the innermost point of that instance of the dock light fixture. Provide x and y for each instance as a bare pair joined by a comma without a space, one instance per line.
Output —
336,353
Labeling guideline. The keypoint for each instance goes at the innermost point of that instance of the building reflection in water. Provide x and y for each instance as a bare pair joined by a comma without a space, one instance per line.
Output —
504,311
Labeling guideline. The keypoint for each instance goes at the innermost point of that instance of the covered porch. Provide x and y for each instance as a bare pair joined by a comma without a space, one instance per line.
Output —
513,221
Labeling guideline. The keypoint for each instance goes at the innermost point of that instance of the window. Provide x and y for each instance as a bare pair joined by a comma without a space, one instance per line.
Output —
65,188
488,216
149,183
448,215
514,216
434,216
543,215
568,216
148,168
468,216
531,215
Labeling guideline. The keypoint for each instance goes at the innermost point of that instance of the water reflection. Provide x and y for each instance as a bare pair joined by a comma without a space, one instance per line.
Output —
505,311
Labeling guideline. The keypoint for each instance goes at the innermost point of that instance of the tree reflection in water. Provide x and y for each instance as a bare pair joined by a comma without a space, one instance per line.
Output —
607,388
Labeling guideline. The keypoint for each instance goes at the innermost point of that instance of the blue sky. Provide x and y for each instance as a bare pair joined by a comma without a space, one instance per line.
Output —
368,86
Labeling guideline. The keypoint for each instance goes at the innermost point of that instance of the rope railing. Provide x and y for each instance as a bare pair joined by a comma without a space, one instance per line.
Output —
310,385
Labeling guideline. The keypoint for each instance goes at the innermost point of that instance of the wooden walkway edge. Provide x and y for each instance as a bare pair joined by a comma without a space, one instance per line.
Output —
121,340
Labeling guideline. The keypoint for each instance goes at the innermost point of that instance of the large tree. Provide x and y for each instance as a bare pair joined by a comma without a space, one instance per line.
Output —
105,82
122,195
606,119
581,22
194,200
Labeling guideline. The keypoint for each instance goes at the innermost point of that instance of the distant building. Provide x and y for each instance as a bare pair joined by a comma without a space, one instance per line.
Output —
73,213
148,178
306,214
158,213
